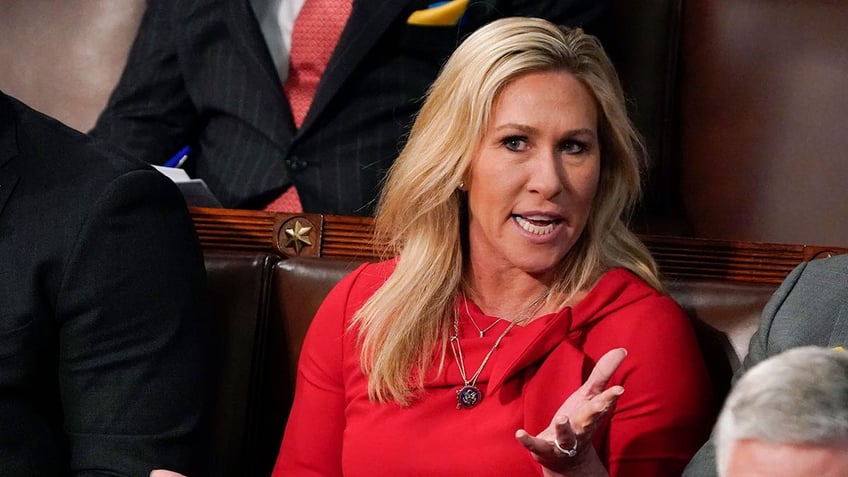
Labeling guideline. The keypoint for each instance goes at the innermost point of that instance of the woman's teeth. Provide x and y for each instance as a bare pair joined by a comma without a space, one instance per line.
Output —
538,225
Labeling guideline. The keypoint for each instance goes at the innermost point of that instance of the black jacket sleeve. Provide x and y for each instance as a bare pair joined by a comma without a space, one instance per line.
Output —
134,370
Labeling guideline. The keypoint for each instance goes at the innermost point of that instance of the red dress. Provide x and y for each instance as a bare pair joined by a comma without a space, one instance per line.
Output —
659,422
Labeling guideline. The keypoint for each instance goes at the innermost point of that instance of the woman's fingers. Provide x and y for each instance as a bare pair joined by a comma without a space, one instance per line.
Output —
566,439
594,385
603,370
589,416
533,444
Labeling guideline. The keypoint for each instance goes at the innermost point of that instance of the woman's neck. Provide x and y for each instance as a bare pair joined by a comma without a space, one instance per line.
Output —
517,296
511,297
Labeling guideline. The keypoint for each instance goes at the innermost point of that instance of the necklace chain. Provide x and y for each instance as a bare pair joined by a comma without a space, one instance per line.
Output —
471,319
456,347
469,395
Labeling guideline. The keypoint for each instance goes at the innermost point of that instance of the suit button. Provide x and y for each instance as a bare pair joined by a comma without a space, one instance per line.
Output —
295,163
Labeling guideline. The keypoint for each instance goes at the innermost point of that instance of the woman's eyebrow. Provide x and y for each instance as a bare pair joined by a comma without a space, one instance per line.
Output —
521,127
530,129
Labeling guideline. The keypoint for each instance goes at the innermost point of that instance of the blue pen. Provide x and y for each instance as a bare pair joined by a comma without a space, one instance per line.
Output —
179,158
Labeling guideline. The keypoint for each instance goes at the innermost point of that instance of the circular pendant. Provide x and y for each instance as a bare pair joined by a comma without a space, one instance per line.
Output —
468,397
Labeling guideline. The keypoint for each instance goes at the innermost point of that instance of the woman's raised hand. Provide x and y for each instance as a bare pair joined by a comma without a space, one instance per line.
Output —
565,446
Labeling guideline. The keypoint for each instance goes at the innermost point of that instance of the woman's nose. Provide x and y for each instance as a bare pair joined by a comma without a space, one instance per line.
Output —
546,175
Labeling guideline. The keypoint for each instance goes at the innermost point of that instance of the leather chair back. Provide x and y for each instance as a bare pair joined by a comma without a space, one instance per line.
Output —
725,315
240,285
300,284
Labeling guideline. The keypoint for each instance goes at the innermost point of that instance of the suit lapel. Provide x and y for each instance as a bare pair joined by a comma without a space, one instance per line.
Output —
8,149
247,34
368,20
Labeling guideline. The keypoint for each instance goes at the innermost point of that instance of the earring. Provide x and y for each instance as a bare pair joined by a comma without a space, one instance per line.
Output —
461,185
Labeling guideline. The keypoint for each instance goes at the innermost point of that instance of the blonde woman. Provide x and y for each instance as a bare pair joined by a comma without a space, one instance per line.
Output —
495,343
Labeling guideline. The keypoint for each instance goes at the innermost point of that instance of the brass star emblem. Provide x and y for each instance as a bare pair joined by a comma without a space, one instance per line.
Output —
297,237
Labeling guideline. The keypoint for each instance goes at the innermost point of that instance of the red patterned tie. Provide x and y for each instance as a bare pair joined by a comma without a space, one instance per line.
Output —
316,31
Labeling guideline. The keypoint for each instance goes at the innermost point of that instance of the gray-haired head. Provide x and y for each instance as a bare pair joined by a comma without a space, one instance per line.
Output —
799,397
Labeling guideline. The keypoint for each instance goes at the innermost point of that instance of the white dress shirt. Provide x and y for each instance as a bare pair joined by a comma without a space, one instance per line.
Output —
276,20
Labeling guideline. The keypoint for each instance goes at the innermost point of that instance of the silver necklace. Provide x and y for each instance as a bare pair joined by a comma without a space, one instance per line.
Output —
469,395
471,319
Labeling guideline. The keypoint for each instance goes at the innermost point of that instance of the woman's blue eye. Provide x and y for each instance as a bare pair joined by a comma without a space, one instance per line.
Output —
514,143
574,147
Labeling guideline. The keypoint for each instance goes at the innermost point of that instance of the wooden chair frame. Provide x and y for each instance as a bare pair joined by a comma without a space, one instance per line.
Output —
348,237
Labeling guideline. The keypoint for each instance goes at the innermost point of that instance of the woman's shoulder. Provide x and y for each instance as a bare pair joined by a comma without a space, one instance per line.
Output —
368,274
619,287
360,283
623,302
350,293
622,299
627,312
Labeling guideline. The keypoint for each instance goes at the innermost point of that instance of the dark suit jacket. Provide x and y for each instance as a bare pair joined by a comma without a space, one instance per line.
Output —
809,308
102,351
199,73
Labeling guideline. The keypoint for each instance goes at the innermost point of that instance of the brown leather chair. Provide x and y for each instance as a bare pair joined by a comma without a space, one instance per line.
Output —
265,300
241,284
263,306
299,286
725,316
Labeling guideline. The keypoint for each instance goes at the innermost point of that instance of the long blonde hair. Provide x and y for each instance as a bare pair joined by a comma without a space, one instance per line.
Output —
420,209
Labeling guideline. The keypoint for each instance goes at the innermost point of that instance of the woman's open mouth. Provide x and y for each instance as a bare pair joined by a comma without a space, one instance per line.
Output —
537,224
